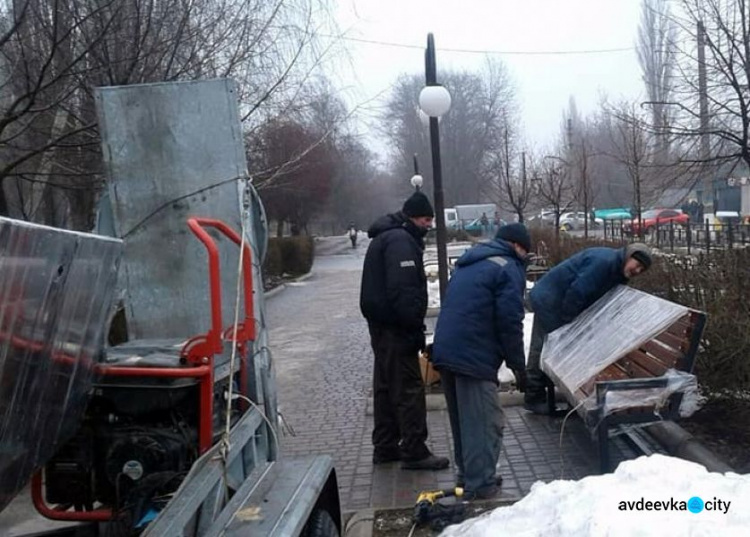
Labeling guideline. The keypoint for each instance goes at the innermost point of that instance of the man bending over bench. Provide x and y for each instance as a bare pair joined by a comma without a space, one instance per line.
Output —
565,292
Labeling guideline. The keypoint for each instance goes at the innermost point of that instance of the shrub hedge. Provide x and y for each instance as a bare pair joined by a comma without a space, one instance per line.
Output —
288,255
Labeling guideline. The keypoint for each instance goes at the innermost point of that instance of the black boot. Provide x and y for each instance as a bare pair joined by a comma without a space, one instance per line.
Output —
431,462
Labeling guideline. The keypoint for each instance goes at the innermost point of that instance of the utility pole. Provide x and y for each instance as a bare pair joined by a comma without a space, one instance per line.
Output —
585,188
524,186
705,182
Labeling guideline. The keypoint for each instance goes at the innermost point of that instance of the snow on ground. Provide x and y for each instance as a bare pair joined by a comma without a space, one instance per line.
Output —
650,496
505,374
433,293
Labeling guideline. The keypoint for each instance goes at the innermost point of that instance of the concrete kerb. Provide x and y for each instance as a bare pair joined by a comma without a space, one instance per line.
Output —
680,443
359,523
276,290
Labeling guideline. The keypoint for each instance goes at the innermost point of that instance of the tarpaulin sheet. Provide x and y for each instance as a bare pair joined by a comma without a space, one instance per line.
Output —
56,291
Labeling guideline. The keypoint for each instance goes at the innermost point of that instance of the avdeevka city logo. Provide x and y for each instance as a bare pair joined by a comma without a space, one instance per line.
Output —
695,504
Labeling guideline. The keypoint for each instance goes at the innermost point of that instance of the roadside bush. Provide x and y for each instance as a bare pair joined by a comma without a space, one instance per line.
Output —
718,285
288,255
555,249
272,264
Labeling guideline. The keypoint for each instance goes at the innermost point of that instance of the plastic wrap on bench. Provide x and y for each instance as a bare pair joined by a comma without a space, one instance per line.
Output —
618,323
624,394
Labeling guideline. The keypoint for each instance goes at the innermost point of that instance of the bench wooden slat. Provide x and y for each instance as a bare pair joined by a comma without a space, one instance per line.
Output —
611,372
670,340
640,365
653,366
666,355
678,329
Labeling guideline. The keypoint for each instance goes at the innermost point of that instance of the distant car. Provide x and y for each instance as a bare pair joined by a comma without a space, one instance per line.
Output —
574,220
613,214
650,218
544,218
475,225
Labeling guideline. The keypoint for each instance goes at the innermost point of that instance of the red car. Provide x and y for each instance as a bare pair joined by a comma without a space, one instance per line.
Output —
664,216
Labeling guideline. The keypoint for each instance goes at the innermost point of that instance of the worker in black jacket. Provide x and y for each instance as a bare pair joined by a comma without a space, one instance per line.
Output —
393,299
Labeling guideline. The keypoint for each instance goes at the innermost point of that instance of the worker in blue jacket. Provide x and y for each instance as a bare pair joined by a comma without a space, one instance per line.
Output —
480,326
565,292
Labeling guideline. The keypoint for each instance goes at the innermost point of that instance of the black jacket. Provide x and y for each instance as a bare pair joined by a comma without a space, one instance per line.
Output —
394,286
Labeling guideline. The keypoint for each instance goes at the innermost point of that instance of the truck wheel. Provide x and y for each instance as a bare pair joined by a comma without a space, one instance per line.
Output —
320,524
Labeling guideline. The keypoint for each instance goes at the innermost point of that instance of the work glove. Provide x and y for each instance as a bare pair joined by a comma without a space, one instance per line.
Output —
520,375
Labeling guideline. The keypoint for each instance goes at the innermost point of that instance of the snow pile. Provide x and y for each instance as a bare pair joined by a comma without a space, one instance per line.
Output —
433,294
504,374
648,496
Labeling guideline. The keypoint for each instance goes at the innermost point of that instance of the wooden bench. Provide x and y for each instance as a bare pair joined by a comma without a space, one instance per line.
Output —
640,369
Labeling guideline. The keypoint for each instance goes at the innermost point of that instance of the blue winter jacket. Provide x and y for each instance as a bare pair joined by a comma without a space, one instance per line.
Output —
481,317
575,284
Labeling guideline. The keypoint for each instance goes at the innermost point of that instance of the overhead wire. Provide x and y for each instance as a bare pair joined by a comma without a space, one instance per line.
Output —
485,51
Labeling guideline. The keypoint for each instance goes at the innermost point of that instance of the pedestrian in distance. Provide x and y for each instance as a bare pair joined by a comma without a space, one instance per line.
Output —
393,299
565,292
485,222
353,234
481,326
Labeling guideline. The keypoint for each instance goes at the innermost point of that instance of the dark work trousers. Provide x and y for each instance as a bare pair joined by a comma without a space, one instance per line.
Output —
536,380
477,423
400,413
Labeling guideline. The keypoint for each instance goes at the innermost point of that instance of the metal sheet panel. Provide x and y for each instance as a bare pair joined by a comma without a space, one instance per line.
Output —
172,151
56,291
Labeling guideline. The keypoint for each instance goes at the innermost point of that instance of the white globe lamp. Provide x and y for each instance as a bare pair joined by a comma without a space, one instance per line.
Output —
417,181
434,100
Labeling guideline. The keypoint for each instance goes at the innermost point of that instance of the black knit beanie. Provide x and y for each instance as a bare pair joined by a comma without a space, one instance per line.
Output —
418,205
515,233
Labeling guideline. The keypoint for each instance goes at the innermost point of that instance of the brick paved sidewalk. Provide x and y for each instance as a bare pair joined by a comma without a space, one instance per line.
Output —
324,369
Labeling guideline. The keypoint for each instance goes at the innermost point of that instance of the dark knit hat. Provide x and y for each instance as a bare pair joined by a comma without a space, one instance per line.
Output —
515,233
640,252
418,205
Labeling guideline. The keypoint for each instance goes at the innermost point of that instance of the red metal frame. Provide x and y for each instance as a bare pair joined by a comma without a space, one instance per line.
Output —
194,350
199,352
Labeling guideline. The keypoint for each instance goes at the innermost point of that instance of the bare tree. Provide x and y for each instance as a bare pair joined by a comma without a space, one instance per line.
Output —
515,186
712,120
629,136
472,133
657,33
579,155
553,187
53,52
293,167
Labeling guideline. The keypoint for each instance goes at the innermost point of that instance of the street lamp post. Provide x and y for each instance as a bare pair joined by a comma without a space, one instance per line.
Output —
416,179
434,101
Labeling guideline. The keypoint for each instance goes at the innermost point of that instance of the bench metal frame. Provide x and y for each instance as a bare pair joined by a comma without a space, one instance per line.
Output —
599,422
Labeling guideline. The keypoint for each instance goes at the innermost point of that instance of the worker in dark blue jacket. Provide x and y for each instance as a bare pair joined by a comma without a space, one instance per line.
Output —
565,292
480,326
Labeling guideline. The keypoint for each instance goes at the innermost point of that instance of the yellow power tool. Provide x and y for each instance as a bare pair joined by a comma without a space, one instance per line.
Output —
428,511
